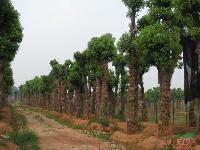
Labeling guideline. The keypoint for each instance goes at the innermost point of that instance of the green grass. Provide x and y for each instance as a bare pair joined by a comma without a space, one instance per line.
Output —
21,136
2,143
100,135
25,140
104,121
18,121
187,135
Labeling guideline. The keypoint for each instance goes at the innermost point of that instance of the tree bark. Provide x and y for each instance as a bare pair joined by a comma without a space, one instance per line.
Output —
93,98
143,102
78,105
1,82
122,101
132,100
192,117
133,84
165,93
111,105
104,95
98,95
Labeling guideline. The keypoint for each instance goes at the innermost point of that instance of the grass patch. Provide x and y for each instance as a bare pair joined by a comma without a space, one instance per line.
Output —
187,135
25,140
18,121
104,121
21,136
2,143
100,135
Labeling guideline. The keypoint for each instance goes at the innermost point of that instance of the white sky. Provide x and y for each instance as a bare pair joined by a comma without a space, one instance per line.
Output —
55,29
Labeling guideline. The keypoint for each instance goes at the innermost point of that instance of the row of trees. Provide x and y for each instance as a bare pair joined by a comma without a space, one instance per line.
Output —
10,37
87,85
159,40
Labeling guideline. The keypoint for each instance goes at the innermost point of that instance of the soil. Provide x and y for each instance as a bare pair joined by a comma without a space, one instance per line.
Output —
54,136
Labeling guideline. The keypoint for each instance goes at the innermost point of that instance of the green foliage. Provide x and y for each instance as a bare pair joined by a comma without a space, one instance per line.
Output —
112,79
177,94
188,17
134,5
102,48
144,22
8,79
153,95
10,31
125,43
187,135
74,76
161,45
25,140
120,62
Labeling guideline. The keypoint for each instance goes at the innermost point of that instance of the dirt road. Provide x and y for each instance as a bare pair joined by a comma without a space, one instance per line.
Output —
54,136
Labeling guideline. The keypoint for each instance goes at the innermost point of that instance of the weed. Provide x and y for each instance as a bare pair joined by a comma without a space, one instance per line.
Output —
25,140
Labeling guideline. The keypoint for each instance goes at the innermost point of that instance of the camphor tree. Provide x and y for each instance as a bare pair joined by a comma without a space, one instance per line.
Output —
120,62
75,79
112,84
134,6
102,50
10,37
160,41
7,82
188,13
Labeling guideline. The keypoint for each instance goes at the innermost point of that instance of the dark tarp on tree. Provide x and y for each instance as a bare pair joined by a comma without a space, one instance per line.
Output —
191,73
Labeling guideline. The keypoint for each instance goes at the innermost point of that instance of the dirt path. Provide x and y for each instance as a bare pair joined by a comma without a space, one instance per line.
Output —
54,136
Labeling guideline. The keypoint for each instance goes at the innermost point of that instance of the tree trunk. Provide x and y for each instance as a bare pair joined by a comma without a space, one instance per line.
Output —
143,102
165,93
156,111
132,100
111,105
93,98
133,84
122,101
104,95
1,83
98,95
78,105
192,117
87,110
173,110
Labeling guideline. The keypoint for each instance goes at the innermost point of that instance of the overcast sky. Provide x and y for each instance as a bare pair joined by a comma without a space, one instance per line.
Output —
55,29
